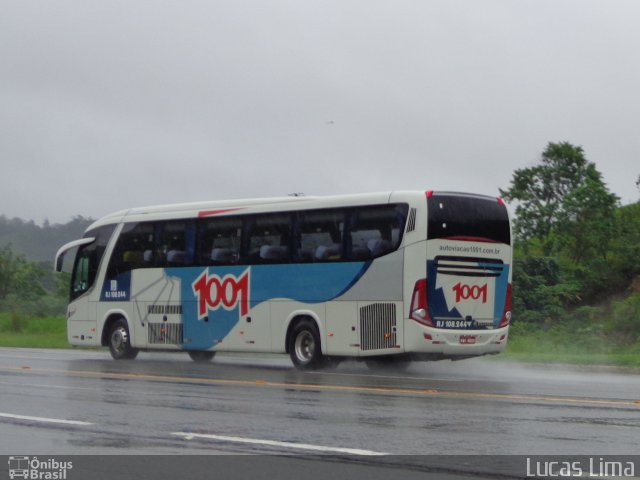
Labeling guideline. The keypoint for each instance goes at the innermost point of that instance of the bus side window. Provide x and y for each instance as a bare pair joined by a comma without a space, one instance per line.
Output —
269,239
376,231
321,233
219,241
135,248
176,247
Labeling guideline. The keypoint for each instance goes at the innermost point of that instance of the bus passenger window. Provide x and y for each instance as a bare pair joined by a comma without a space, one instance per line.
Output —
376,230
269,237
135,248
219,241
174,244
321,234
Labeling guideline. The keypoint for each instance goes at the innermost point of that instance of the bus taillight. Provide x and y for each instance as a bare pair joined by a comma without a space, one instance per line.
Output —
419,307
506,315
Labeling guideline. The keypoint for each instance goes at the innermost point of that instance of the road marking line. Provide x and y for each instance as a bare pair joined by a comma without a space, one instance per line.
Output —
44,419
276,443
46,385
335,388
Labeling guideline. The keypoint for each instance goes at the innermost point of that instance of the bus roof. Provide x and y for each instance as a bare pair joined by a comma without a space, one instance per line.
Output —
243,206
257,205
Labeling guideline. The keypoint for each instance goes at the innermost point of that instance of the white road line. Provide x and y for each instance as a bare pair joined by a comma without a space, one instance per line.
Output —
44,419
275,443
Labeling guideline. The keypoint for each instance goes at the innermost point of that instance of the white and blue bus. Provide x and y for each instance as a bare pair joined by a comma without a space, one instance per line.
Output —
386,278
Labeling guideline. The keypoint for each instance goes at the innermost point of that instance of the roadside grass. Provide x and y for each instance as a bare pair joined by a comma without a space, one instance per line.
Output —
19,330
619,359
534,344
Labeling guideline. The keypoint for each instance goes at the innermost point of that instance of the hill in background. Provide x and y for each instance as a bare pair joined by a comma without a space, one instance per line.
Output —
39,243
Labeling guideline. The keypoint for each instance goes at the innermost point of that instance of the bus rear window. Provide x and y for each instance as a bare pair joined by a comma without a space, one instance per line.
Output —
467,217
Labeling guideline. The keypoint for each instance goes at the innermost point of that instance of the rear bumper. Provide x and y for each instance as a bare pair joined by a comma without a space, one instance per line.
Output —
452,343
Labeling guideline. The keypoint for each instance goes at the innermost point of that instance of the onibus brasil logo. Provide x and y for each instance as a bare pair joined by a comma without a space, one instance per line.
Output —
36,469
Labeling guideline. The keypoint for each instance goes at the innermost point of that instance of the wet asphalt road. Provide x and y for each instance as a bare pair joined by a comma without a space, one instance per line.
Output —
67,402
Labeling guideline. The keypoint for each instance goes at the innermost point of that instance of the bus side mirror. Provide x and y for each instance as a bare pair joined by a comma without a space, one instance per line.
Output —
59,261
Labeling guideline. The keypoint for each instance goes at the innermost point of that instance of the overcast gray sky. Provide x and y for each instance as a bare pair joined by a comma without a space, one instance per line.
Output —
110,104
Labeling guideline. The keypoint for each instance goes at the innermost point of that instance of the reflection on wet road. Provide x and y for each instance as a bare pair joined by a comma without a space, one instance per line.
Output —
74,401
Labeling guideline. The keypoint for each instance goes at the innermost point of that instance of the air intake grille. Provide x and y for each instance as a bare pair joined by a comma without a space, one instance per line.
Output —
165,333
165,309
411,222
378,326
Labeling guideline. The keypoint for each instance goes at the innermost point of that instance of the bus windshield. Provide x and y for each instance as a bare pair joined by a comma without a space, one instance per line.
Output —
467,217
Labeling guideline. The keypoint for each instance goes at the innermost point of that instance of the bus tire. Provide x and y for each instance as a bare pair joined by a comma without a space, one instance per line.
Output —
304,345
201,356
120,341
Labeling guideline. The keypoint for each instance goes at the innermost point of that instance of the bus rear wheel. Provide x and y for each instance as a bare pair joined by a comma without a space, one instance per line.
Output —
304,346
120,341
201,356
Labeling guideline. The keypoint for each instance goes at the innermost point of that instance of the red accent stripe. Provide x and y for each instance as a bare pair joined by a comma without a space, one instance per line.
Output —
210,213
462,238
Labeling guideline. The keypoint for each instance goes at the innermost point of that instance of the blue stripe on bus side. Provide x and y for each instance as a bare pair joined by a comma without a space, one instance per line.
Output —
307,283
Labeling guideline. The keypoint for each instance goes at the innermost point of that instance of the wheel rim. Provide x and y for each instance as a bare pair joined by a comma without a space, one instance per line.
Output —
119,340
305,346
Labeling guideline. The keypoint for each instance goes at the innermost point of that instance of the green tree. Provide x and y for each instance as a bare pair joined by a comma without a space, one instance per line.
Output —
8,268
558,192
19,278
27,280
588,222
541,291
626,245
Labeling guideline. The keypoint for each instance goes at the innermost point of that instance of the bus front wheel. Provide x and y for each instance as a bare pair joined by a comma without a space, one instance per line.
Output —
120,341
304,345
